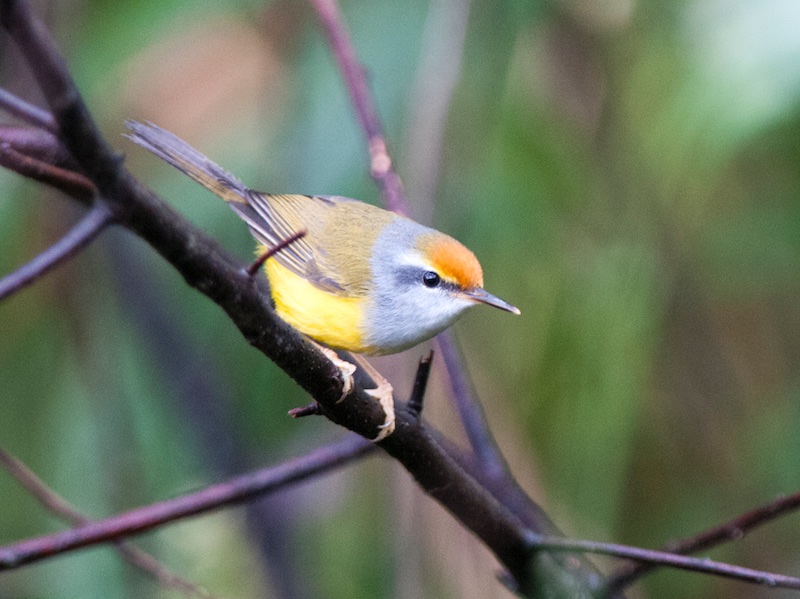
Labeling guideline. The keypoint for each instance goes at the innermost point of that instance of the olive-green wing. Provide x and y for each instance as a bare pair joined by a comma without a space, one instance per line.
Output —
271,218
274,218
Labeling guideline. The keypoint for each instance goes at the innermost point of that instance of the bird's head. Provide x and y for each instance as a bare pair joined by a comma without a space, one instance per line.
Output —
424,280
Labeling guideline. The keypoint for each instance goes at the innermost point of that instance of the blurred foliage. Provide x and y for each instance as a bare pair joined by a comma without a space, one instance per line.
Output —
629,175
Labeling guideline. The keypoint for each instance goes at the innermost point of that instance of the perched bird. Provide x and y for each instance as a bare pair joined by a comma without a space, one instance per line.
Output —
361,279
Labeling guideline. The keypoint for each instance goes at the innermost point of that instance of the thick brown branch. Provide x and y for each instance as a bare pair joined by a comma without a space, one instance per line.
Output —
207,268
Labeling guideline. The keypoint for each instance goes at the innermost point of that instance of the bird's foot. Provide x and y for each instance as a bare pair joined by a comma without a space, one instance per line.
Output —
346,369
385,396
384,393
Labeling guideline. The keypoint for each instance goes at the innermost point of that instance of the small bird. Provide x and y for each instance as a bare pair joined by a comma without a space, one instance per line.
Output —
361,279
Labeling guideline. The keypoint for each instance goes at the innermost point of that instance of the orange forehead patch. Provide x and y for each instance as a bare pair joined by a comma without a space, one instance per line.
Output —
452,260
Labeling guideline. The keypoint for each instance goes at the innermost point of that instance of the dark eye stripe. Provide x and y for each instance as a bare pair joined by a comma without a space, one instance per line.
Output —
411,275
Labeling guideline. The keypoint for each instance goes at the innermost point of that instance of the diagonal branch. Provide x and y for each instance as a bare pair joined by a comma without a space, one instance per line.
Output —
39,144
470,411
70,182
27,112
733,530
61,507
209,269
285,243
662,558
353,72
81,235
234,491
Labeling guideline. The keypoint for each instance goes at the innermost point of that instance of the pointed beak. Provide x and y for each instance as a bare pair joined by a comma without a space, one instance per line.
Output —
476,294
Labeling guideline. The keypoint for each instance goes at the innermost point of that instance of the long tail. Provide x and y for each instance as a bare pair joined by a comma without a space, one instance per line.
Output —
186,159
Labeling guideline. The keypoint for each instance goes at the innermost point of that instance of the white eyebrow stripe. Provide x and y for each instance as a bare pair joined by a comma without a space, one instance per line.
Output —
413,259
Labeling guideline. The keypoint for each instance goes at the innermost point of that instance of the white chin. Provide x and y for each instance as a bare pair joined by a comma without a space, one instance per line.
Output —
401,329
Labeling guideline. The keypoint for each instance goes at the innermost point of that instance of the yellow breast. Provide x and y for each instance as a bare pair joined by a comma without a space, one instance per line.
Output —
333,320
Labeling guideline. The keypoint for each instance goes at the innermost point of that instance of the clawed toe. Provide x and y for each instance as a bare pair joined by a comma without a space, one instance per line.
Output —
385,396
346,369
383,393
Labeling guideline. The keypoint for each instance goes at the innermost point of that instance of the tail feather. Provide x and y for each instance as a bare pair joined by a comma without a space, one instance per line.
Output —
186,159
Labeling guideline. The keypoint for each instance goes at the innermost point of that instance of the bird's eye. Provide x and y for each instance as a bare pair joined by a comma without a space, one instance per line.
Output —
431,279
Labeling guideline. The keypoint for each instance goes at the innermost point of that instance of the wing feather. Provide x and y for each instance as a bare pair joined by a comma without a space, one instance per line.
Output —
273,218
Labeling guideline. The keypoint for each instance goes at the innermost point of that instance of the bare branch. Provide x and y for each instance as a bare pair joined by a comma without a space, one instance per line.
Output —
76,128
34,485
470,411
253,268
70,182
209,269
39,144
234,491
81,235
27,112
704,565
353,72
311,409
59,506
420,384
733,530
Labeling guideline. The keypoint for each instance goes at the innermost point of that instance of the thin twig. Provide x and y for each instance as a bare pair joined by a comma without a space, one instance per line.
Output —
353,72
662,558
733,530
311,409
70,182
470,410
59,506
81,235
38,143
253,268
420,384
231,492
27,112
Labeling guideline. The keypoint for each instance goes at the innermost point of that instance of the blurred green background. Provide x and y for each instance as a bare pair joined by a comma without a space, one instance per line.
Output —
627,171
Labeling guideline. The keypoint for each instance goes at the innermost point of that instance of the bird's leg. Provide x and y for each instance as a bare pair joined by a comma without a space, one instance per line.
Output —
384,393
345,368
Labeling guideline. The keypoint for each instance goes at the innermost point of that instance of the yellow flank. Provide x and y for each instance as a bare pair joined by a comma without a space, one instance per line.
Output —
330,319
